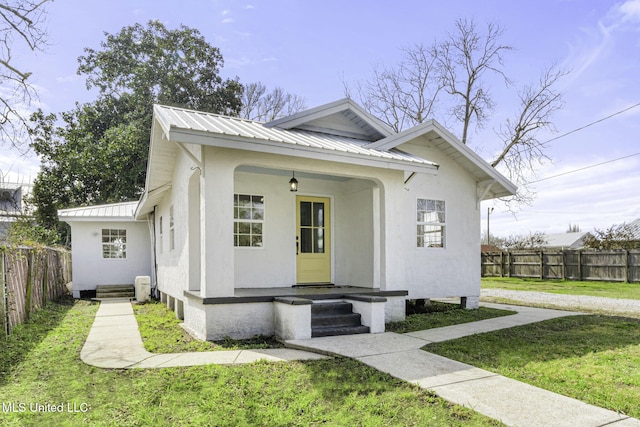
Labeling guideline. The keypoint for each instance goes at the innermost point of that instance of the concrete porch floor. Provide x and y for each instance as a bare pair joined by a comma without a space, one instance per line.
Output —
243,295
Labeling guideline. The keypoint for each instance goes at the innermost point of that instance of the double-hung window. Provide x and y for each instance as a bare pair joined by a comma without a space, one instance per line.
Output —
431,223
114,243
248,220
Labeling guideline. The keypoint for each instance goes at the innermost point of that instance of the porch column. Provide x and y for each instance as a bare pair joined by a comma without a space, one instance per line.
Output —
216,219
392,229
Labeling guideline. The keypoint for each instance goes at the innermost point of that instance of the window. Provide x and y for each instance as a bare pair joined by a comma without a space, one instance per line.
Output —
431,223
248,215
114,243
172,231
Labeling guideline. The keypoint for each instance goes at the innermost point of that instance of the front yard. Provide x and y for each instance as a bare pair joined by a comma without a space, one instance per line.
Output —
40,371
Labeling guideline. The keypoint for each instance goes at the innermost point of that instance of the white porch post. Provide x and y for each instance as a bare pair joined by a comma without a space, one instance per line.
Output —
216,218
392,256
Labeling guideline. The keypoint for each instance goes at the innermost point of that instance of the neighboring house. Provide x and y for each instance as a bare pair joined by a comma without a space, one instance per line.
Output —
375,212
561,241
108,246
633,228
11,204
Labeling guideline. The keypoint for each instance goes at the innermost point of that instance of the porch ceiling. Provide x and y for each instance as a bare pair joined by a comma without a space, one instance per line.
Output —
287,173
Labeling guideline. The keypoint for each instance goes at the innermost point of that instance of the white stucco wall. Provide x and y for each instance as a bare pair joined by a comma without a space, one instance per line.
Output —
373,225
90,269
173,272
455,269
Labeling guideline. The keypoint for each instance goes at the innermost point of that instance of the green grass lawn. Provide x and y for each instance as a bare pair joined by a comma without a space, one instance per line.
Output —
40,365
161,331
595,359
443,314
597,289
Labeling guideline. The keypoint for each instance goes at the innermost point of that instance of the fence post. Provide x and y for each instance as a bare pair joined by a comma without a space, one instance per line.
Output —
541,265
580,265
501,263
626,266
45,279
29,288
4,309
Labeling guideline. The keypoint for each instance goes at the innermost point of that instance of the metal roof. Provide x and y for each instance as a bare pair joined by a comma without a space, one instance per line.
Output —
112,212
172,118
574,240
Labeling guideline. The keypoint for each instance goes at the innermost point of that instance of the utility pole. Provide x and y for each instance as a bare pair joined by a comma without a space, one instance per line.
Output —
489,210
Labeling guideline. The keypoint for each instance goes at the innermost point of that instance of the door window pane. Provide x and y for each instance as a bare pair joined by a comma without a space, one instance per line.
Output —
306,241
305,214
318,240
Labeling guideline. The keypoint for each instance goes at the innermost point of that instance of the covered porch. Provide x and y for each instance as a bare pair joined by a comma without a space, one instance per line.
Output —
286,312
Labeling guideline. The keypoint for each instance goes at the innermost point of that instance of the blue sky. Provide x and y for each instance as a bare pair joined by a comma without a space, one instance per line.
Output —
310,48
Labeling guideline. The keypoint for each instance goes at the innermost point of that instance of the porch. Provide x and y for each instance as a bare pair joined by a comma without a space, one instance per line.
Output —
285,312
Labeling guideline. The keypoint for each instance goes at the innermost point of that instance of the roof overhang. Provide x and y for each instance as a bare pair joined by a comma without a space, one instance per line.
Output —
115,212
491,183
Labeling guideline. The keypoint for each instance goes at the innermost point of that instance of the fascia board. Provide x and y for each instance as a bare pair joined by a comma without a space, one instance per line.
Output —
266,146
449,138
302,117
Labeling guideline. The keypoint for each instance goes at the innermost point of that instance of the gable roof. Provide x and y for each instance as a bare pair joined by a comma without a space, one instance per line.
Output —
343,117
497,185
111,212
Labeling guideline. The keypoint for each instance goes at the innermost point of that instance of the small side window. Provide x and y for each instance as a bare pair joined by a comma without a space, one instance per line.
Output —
114,243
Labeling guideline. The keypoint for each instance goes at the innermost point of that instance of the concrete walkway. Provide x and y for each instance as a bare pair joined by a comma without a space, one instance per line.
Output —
114,342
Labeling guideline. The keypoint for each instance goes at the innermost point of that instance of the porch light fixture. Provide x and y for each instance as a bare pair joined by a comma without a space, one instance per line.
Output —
293,183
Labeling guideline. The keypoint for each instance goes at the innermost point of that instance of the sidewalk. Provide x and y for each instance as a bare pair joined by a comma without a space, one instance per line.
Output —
114,342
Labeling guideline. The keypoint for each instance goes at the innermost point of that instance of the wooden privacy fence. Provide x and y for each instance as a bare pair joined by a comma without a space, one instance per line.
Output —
613,266
29,277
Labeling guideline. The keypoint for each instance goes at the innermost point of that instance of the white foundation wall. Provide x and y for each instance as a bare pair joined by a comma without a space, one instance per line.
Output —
91,269
454,270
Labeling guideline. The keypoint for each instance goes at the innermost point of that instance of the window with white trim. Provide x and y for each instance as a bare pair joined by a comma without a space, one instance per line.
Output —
431,223
114,243
248,220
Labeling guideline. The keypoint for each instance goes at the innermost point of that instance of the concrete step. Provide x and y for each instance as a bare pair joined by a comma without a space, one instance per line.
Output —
329,308
330,331
335,318
115,291
340,319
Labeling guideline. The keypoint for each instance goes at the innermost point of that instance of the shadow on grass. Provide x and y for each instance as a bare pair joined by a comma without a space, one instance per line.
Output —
560,338
25,337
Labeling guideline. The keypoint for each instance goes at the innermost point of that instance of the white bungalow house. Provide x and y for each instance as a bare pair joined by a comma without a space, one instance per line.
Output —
376,216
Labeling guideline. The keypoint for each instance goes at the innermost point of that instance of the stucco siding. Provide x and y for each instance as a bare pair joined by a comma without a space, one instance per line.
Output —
453,270
91,269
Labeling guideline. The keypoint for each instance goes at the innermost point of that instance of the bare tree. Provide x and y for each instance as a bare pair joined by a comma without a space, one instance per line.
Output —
405,95
522,151
463,59
258,104
454,73
20,23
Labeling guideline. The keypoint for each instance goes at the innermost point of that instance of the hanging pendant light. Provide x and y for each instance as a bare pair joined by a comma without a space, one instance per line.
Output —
293,183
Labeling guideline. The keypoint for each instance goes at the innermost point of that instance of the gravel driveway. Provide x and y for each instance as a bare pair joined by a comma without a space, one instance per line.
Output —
575,302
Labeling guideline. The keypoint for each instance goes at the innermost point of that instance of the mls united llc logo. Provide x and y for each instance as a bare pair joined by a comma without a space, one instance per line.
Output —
67,407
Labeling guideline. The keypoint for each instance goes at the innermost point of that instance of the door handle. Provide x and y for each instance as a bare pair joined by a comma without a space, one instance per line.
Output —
297,244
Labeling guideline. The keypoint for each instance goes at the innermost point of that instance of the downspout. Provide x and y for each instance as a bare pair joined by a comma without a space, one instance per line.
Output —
154,272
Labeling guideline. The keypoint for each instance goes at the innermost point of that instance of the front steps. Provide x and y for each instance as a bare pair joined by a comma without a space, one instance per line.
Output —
335,318
115,291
